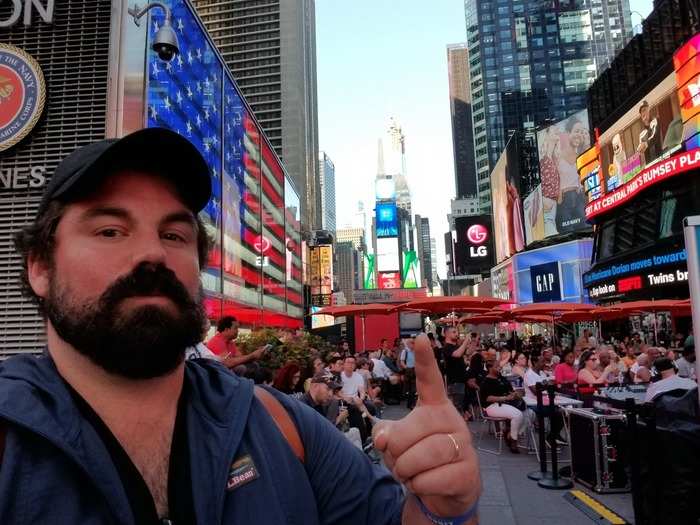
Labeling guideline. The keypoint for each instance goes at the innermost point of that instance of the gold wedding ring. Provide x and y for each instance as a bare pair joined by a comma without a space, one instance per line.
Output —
456,445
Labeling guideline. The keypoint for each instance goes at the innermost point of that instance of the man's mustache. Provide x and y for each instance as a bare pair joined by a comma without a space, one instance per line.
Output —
148,279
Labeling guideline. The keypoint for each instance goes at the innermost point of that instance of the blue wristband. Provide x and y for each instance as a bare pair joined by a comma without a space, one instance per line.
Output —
456,520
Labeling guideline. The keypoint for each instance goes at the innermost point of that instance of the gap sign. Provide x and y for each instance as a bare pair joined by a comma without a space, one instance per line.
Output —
546,283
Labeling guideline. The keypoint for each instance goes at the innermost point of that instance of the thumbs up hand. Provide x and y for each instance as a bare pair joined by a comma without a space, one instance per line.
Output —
430,450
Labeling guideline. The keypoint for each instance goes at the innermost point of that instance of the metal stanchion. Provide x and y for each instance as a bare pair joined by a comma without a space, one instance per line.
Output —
631,413
554,481
541,474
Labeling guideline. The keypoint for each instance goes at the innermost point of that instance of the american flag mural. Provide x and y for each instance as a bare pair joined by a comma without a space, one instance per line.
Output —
184,95
194,95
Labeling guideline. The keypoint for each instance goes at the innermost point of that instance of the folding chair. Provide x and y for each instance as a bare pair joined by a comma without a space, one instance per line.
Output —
497,423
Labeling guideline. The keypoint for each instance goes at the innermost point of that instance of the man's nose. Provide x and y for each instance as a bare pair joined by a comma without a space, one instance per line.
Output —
148,248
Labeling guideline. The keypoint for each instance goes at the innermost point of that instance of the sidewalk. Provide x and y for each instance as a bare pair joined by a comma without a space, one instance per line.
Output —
510,498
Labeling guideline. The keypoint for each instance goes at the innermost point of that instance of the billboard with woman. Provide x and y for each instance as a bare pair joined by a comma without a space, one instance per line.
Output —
563,200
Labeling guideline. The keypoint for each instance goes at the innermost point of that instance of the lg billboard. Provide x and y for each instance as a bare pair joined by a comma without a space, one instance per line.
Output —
474,246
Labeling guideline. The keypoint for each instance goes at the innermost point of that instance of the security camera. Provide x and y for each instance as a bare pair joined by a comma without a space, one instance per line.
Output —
165,41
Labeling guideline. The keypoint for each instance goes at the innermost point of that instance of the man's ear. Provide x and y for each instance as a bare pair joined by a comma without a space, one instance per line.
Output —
38,275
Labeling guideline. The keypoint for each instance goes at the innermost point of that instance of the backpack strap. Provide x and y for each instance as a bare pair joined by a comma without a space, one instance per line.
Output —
282,420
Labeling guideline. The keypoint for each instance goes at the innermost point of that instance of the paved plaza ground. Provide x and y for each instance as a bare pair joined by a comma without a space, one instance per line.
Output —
510,498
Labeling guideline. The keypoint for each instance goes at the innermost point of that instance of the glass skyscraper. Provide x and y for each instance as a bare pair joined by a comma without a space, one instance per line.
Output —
530,64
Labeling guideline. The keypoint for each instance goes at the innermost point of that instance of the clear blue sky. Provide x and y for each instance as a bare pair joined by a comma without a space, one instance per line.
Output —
377,58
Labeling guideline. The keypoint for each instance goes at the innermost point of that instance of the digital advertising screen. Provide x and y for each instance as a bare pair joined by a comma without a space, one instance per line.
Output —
388,254
533,216
410,270
563,201
650,131
369,280
509,236
387,219
686,62
321,274
588,165
385,189
474,253
389,280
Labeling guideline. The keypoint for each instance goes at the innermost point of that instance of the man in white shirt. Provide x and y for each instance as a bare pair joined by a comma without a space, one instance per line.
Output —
353,393
534,375
353,383
686,364
669,380
380,370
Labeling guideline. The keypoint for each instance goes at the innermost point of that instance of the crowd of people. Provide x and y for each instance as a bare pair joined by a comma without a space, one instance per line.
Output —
498,376
493,376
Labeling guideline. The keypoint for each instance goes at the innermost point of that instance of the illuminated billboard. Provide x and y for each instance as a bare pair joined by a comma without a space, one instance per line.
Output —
369,281
387,219
588,167
686,62
563,202
388,254
646,145
385,189
389,280
321,270
474,245
509,236
533,216
410,270
650,131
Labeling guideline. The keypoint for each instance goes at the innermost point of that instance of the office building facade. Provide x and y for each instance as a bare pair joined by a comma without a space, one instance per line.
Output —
423,249
461,118
326,171
348,269
270,46
530,63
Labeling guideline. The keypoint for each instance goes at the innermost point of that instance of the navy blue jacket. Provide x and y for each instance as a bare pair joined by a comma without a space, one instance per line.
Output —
57,470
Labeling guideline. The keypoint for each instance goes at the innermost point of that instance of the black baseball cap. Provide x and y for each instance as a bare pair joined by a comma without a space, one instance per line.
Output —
154,149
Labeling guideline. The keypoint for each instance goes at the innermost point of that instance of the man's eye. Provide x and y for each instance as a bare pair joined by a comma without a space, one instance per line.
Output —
169,236
109,232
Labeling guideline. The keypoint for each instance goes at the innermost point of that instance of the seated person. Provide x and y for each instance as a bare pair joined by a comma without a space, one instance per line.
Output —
321,398
519,364
669,380
641,372
549,364
565,374
607,359
589,373
536,375
475,374
686,363
499,400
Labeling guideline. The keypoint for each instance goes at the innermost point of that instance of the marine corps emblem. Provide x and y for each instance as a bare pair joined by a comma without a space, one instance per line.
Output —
22,95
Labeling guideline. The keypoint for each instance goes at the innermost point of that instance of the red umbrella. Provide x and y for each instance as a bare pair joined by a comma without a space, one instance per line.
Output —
448,319
363,310
598,313
482,319
662,305
551,309
357,309
461,303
